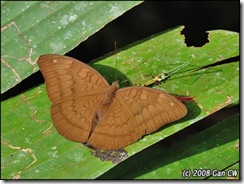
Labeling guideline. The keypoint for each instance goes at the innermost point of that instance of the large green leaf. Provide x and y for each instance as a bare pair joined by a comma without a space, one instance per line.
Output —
137,63
32,28
209,86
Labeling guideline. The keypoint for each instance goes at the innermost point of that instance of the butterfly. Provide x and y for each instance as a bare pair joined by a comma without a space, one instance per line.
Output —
86,109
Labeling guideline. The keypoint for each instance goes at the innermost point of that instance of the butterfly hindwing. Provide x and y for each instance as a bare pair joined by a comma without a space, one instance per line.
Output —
73,118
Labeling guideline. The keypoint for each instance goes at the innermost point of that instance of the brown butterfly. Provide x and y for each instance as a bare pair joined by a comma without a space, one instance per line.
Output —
86,109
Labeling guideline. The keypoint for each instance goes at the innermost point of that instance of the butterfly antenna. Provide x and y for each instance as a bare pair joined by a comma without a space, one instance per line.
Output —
115,49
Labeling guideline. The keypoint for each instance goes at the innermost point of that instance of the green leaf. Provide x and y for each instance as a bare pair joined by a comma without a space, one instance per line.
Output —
201,156
137,63
32,28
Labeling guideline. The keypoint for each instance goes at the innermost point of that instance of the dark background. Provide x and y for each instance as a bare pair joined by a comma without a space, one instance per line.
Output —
152,17
149,18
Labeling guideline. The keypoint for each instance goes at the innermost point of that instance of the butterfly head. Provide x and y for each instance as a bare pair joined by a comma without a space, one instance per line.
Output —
115,84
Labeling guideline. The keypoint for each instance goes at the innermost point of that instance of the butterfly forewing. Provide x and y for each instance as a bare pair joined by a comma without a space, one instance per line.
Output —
135,111
75,90
67,78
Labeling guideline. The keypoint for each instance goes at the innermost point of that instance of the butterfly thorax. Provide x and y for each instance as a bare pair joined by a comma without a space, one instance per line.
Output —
105,104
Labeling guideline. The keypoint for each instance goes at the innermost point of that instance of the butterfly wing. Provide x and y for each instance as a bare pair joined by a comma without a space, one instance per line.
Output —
134,112
75,90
